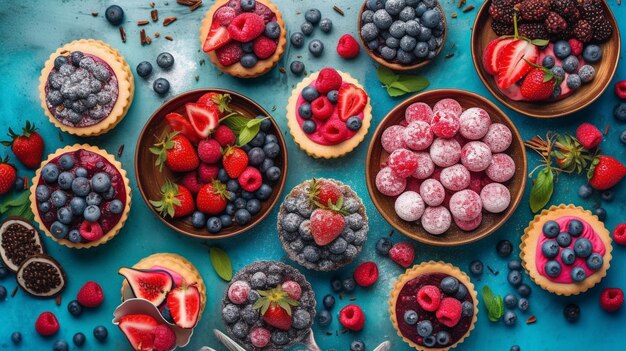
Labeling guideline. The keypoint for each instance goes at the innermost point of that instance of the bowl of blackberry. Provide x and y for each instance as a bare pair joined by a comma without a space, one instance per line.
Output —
211,163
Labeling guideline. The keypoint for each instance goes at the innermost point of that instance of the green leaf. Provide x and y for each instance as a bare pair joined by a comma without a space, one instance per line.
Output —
386,76
412,84
542,189
493,304
394,92
235,122
221,263
17,205
540,42
247,134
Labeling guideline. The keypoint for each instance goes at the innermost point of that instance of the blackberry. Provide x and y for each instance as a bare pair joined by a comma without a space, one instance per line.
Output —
501,28
555,24
566,9
502,10
590,9
583,31
534,10
533,30
602,30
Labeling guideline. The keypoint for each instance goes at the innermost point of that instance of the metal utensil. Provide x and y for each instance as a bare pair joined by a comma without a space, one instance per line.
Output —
384,346
310,343
226,341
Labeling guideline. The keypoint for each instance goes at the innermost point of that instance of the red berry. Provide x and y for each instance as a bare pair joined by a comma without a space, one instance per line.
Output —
326,226
235,161
90,295
366,274
211,198
577,46
260,337
229,54
403,162
225,15
348,47
264,47
224,136
206,173
292,289
8,176
611,299
335,131
246,27
326,193
209,151
619,234
588,135
47,324
327,80
191,181
90,231
402,253
164,338
352,317
251,179
429,298
449,312
322,108
238,292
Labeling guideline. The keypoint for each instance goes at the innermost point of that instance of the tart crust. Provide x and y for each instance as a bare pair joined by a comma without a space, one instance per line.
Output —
529,245
108,235
126,85
177,264
426,268
325,151
237,70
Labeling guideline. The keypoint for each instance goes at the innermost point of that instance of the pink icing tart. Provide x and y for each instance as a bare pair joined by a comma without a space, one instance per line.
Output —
566,250
329,114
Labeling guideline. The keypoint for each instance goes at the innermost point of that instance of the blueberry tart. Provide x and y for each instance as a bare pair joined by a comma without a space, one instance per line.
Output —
322,224
566,250
80,196
433,306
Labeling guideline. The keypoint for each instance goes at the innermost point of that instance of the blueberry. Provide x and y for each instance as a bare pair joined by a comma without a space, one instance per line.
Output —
307,28
296,67
609,195
256,156
242,216
601,213
551,229
592,53
58,198
548,61
42,193
74,236
523,304
449,285
357,345
66,162
585,191
116,206
323,318
383,245
239,203
430,341
568,256
514,278
144,69
60,61
81,172
248,60
573,81
382,19
258,140
583,247
3,272
461,293
165,60
336,285
3,293
443,338
524,290
595,261
272,30
247,195
420,9
515,348
328,301
571,312
349,284
564,239
510,301
514,265
64,215
100,333
247,47
198,219
408,43
226,220
311,253
248,5
354,123
562,49
93,199
74,308
550,248
79,339
424,328
16,338
273,174
316,47
50,173
421,50
570,64
271,150
297,39
92,213
509,318
553,268
397,29
309,93
230,209
392,42
619,112
44,206
267,164
575,228
476,267
467,309
407,14
369,31
578,274
367,16
558,72
586,73
326,25
161,86
309,127
60,345
214,225
222,176
313,15
394,6
431,18
266,124
114,14
388,53
374,5
504,248
253,206
405,57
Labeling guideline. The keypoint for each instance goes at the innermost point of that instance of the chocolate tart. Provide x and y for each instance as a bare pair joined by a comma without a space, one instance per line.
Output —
562,283
96,94
19,239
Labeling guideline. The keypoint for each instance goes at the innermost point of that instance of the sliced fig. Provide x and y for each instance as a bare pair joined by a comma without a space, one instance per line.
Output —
18,241
41,276
139,329
152,285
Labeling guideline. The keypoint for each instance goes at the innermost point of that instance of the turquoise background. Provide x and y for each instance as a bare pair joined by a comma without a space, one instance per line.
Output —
31,30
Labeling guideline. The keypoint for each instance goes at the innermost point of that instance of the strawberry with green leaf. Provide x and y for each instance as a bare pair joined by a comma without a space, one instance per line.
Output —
176,201
175,151
275,307
8,176
605,172
539,84
328,222
235,161
212,198
27,147
323,193
221,101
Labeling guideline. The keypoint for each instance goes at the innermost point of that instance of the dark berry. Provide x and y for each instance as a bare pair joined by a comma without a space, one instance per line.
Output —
74,308
323,318
19,184
297,67
316,47
504,248
114,14
349,284
242,217
214,225
3,272
571,313
354,123
161,86
619,112
100,333
585,191
515,265
60,345
328,301
326,25
515,348
313,15
307,28
79,339
476,267
601,213
3,293
357,345
16,338
248,5
524,290
383,245
165,60
309,127
297,39
607,195
336,285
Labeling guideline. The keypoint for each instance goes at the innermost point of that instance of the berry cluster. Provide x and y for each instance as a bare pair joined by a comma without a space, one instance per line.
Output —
312,17
402,253
165,60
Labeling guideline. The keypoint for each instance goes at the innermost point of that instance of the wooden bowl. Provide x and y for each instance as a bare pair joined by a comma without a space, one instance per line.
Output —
586,95
397,66
149,179
377,156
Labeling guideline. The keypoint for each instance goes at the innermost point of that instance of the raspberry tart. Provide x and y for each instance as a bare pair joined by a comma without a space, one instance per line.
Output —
86,87
80,196
566,250
243,40
268,306
322,224
328,114
433,306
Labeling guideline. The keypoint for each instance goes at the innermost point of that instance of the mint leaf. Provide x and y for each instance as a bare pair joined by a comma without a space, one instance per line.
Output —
394,92
413,84
540,42
221,263
247,134
386,76
17,205
235,122
542,189
493,304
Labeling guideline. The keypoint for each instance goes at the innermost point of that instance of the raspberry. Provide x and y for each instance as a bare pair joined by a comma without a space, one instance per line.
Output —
246,27
322,108
352,317
425,166
588,135
47,324
366,274
498,137
327,80
229,54
209,151
402,253
418,135
388,183
190,181
264,47
251,179
577,46
260,337
455,177
611,299
164,338
393,138
437,220
238,292
225,15
90,231
445,124
476,156
450,105
418,111
445,152
90,295
449,312
403,162
466,205
207,172
502,168
348,47
293,289
429,298
619,234
432,192
335,131
224,135
474,123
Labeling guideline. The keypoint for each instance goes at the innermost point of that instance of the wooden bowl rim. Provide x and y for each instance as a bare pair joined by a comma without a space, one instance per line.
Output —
513,104
471,236
262,215
397,66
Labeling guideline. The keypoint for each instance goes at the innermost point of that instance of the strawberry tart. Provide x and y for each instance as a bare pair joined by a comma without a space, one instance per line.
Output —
243,39
328,114
86,87
80,196
566,250
322,224
433,306
268,306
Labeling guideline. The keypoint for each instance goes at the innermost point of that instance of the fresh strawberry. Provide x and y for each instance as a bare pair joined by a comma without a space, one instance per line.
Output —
180,123
27,147
619,234
207,172
229,54
217,38
449,311
605,172
209,151
8,176
223,135
402,253
90,295
191,181
538,85
293,289
275,307
576,46
47,324
322,108
492,52
212,198
348,47
210,99
513,62
203,118
164,338
588,135
611,299
366,274
184,305
351,101
352,317
90,231
264,47
139,329
327,224
235,161
324,193
246,27
176,201
175,151
250,179
328,79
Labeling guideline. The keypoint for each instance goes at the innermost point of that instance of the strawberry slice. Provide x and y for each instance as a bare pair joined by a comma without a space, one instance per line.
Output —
184,305
216,38
181,124
351,101
492,52
139,329
512,62
203,119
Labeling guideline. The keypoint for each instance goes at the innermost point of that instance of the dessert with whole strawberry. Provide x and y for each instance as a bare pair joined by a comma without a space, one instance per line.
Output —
322,224
268,306
221,165
328,114
244,38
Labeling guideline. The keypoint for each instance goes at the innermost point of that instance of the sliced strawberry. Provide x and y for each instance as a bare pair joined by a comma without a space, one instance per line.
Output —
203,119
180,123
351,101
492,52
139,329
184,305
216,38
513,62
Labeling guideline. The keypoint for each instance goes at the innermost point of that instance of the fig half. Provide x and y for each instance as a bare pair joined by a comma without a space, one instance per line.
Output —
41,276
152,285
19,240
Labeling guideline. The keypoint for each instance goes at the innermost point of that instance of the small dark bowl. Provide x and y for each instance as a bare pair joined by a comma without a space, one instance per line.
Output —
149,179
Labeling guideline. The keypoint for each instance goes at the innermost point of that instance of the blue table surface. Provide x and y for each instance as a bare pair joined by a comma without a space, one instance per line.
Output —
31,30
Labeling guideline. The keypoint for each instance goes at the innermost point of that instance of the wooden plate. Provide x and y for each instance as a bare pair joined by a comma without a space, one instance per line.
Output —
149,179
397,66
376,156
586,95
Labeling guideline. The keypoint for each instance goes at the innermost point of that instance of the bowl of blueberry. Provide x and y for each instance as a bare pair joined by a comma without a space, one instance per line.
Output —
402,35
211,163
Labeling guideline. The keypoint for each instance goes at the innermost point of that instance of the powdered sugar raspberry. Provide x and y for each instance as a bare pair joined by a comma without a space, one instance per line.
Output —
498,137
432,192
475,123
425,166
409,206
501,169
469,225
495,197
476,156
466,205
388,183
393,138
455,177
418,135
448,104
418,111
445,152
403,162
445,124
436,220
